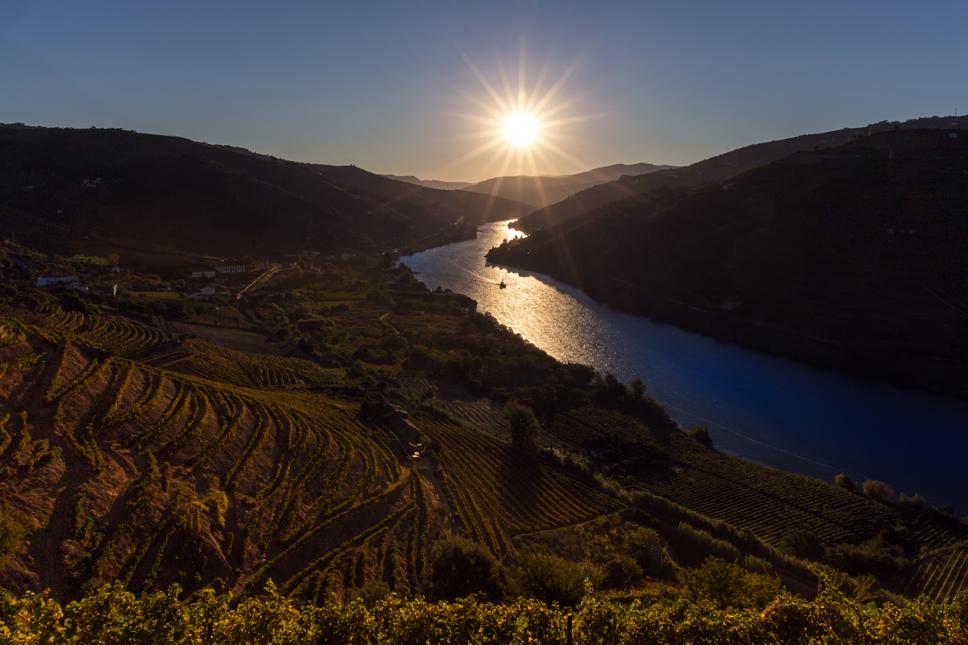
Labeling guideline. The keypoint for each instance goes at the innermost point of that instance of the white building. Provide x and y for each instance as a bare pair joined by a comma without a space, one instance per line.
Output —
203,274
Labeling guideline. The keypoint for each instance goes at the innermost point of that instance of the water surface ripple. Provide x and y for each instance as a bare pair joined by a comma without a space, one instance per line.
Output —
765,409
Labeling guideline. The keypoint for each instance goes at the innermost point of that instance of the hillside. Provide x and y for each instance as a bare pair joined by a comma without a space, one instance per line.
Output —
131,190
339,425
540,191
712,170
850,257
430,183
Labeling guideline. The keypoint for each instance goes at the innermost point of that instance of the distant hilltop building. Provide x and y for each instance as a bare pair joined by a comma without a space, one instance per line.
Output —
48,280
204,274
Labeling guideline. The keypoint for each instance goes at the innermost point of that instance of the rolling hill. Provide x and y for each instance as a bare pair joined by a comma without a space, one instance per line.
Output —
430,183
714,169
352,421
541,191
58,186
850,256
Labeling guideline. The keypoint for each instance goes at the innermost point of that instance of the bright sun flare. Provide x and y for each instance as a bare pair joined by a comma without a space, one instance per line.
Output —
520,128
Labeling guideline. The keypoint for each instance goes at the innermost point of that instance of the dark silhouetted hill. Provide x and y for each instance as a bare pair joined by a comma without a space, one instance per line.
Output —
62,185
540,191
851,256
430,183
714,169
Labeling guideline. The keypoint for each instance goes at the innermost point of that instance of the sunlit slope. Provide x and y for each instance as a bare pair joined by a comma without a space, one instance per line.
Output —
251,469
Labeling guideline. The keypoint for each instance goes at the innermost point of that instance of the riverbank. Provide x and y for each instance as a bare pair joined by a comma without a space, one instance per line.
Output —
765,409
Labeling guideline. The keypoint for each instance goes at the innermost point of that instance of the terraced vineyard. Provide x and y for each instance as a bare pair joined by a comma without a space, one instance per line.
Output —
332,454
769,502
222,464
114,334
940,574
499,492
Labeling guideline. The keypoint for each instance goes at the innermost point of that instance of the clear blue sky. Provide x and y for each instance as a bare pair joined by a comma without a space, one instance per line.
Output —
377,84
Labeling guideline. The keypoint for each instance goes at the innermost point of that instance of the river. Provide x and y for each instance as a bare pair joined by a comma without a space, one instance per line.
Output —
766,409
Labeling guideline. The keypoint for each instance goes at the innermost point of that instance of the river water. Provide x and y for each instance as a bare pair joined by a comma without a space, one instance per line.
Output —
768,410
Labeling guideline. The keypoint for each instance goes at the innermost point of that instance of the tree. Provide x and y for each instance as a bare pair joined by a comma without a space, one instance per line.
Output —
701,434
645,545
551,578
524,425
638,388
621,572
876,489
726,584
845,482
460,568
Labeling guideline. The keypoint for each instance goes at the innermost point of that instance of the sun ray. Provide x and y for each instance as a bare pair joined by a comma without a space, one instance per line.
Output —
524,126
487,85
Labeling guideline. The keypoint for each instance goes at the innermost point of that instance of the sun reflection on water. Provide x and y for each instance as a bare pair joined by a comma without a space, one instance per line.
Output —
745,398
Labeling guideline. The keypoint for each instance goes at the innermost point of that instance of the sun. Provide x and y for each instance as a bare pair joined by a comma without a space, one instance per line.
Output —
524,124
520,128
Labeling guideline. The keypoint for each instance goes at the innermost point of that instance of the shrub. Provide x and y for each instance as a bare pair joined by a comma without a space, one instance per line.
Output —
621,572
645,545
876,489
11,532
460,568
873,557
370,593
549,578
692,545
638,388
914,501
113,615
726,584
758,565
803,544
845,482
701,434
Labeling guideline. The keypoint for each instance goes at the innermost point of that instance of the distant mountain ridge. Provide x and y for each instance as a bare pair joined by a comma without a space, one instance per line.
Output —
714,169
542,190
58,186
439,184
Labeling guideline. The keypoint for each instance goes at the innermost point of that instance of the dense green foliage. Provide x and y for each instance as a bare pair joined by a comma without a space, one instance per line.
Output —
10,533
552,579
460,567
747,611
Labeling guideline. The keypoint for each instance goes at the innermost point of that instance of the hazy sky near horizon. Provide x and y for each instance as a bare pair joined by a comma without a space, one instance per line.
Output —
385,85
